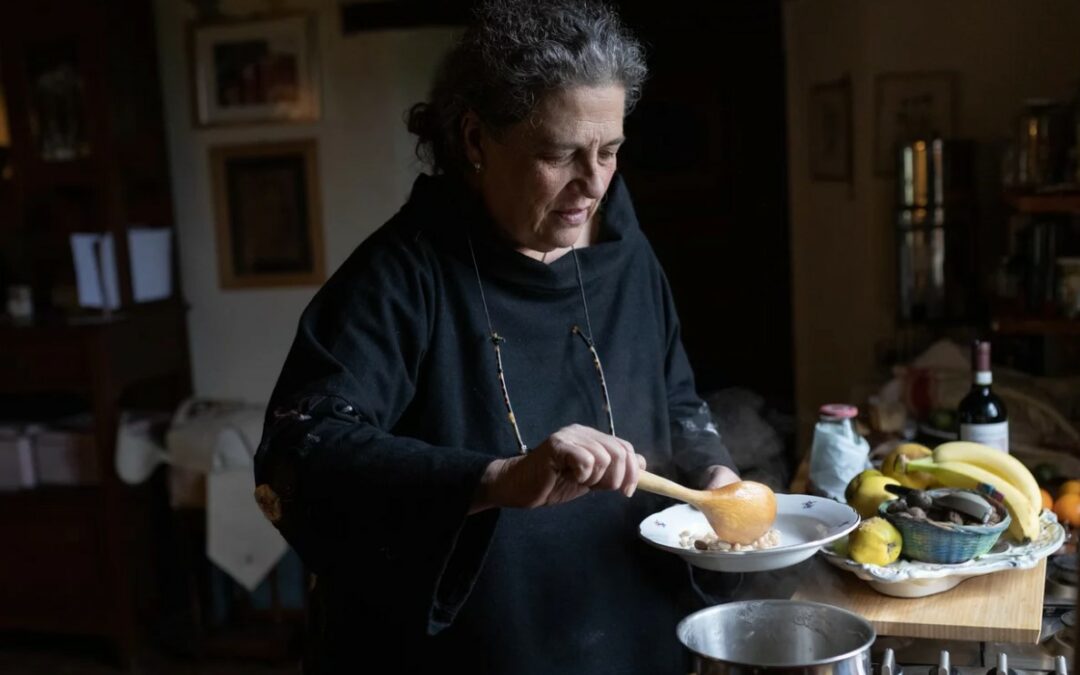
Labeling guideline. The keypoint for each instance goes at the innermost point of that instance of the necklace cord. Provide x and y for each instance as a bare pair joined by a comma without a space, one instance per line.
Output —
497,340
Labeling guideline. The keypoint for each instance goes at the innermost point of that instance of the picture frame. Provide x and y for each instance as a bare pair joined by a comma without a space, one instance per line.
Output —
909,106
830,143
268,214
255,71
368,15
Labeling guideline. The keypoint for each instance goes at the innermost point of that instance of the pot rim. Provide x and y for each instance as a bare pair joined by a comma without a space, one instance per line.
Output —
790,603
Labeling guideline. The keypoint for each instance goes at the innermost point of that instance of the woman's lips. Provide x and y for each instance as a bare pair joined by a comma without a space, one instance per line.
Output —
573,216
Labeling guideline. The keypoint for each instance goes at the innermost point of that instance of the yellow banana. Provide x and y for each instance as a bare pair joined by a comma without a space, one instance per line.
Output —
999,463
1025,520
893,466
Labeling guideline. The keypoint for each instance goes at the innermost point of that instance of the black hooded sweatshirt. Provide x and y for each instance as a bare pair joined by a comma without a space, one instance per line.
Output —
388,410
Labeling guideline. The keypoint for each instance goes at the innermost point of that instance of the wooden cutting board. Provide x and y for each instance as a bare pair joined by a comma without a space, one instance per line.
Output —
1000,607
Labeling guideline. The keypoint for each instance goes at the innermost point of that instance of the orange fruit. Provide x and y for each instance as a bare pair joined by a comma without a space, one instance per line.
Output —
1067,508
1048,499
1069,487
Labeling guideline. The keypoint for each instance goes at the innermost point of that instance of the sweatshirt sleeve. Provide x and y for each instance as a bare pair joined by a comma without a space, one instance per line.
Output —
695,442
344,491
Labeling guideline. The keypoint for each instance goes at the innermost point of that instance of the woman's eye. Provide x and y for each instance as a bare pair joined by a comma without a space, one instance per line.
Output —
559,159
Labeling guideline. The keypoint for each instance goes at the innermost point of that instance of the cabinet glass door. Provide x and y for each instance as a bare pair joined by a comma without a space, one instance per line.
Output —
56,91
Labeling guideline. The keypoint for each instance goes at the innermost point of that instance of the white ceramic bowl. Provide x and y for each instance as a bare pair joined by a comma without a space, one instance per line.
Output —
805,524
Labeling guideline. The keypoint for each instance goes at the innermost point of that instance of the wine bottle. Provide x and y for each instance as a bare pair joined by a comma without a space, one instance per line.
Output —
983,418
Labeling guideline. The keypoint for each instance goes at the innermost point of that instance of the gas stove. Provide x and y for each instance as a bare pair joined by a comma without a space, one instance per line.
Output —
985,661
1061,578
1052,654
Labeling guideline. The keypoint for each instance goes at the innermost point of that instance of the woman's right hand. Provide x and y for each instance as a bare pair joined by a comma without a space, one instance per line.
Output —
571,462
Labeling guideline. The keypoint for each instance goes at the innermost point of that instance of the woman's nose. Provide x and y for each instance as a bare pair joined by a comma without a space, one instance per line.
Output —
592,178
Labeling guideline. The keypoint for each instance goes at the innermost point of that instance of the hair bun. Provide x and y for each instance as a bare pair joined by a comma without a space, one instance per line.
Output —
420,121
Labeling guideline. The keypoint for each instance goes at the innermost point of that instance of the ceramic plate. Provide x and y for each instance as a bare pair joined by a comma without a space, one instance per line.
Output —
914,579
805,524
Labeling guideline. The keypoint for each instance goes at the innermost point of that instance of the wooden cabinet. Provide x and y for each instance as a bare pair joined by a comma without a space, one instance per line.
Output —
1041,229
1012,325
87,153
73,553
1064,202
1034,332
87,141
56,564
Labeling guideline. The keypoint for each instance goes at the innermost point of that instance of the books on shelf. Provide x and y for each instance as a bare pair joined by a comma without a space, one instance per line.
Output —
16,460
94,257
32,456
65,457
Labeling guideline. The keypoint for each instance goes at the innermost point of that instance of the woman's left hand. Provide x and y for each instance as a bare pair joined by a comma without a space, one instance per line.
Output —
718,475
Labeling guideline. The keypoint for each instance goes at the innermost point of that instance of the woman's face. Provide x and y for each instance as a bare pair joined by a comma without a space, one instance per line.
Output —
542,179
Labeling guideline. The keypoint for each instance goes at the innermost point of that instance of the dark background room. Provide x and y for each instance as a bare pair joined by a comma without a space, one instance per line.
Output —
842,193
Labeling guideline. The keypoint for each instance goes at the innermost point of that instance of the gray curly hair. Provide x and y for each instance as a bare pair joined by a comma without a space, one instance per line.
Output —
514,53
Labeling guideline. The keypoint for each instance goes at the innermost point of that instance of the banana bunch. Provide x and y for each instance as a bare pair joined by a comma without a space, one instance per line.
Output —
973,466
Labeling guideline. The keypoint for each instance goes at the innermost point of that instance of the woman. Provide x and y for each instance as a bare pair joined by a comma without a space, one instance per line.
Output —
444,448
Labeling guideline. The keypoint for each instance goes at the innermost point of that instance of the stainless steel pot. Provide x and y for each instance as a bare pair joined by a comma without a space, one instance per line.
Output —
777,636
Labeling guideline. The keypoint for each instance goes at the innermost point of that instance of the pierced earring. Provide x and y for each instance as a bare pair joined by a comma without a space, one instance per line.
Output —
476,166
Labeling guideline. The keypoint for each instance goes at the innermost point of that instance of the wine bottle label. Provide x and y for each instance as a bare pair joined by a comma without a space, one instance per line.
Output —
993,435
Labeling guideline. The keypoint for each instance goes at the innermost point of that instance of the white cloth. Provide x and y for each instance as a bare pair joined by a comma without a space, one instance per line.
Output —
137,453
219,438
209,435
239,539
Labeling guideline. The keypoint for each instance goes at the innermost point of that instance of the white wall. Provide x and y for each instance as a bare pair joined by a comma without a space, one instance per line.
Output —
843,247
239,338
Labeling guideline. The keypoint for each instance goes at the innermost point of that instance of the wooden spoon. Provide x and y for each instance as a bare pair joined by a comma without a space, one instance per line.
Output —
739,513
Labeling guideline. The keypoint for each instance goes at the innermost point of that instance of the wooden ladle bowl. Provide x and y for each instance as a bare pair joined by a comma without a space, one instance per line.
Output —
739,513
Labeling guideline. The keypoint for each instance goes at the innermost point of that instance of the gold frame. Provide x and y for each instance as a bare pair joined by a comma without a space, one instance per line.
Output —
834,97
886,86
307,109
228,276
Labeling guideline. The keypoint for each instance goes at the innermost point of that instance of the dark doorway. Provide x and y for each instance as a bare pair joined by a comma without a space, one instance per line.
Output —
706,162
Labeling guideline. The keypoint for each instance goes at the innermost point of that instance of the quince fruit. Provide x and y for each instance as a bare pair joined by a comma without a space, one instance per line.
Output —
866,492
855,482
875,542
840,547
894,466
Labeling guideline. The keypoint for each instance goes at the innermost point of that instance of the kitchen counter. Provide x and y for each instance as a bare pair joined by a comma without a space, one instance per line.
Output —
1000,607
1004,613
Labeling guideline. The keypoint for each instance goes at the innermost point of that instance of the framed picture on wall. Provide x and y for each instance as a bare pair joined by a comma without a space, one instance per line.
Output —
909,106
367,15
255,71
829,132
267,213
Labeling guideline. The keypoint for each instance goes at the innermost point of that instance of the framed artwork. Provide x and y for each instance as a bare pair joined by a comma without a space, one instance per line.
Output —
909,106
255,71
364,15
267,213
830,135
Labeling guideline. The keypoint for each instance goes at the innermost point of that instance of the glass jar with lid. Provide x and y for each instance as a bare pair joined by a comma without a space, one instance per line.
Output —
838,453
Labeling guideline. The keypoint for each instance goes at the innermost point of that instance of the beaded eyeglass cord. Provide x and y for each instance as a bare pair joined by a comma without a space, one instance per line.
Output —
586,337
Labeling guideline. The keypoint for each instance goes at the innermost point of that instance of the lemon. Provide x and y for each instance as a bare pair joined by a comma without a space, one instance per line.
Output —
867,491
875,542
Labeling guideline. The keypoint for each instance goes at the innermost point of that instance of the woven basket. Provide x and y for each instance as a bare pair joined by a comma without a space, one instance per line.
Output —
934,542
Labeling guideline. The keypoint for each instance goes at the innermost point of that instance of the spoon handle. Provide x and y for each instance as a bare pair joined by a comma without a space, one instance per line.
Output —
650,482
